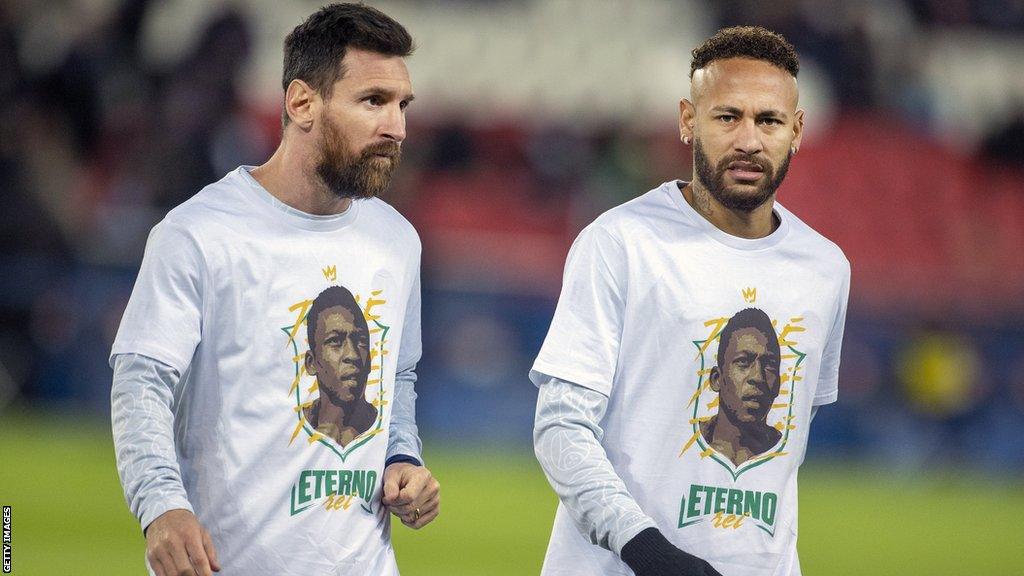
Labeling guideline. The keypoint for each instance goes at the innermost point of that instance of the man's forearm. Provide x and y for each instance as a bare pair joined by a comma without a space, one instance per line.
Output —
403,438
143,427
566,439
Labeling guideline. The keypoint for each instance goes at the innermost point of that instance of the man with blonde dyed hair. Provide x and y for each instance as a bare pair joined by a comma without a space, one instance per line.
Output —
670,459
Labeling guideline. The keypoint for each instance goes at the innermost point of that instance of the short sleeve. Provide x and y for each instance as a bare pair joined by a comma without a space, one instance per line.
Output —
582,345
828,376
163,319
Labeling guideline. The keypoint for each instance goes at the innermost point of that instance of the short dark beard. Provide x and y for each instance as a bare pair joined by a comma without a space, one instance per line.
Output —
713,179
365,176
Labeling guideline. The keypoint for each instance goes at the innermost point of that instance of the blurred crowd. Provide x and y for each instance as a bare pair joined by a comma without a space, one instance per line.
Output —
913,169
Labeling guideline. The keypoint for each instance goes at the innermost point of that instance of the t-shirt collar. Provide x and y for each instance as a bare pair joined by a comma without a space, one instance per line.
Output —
280,211
674,190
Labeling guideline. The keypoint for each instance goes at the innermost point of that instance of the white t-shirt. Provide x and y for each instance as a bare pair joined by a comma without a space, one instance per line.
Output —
226,285
648,288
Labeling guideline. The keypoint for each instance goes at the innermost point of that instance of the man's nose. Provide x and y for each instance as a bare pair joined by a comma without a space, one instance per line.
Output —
748,138
350,352
757,375
393,127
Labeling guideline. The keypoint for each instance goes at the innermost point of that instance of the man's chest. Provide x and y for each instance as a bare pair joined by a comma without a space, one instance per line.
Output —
687,297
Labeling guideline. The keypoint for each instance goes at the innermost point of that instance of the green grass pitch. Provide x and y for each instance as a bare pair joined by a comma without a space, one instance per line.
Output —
69,516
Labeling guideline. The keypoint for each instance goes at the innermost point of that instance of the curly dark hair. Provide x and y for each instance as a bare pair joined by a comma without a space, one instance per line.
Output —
747,318
746,42
314,50
329,298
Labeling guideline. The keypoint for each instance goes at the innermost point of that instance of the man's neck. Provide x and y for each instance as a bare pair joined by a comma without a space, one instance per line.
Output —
291,178
757,223
736,443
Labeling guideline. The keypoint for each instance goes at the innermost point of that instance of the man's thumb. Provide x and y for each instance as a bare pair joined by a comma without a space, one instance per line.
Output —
390,489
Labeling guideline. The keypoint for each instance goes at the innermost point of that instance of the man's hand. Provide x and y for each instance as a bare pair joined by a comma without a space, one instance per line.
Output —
412,494
649,553
176,545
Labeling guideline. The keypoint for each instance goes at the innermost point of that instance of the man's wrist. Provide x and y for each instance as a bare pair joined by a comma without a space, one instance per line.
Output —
649,553
643,551
618,539
164,507
402,458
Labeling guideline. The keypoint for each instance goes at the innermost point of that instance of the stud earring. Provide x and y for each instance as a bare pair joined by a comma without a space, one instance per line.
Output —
686,140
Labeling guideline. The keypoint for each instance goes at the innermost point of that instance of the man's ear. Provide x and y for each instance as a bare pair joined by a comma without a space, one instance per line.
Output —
301,103
687,117
716,378
798,130
310,363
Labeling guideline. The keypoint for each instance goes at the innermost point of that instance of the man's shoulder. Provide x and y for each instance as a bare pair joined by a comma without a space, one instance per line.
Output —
210,205
640,213
814,242
380,214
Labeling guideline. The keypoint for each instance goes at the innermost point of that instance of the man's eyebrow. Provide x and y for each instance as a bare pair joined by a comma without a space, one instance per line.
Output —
386,92
770,113
728,110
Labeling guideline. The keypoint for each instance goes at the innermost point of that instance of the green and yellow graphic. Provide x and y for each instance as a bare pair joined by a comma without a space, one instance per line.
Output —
728,508
346,348
337,489
742,408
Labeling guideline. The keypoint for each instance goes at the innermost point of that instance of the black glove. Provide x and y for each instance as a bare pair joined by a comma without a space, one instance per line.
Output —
649,553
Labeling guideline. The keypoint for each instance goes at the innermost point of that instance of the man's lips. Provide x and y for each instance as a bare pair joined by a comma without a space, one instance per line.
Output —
387,151
758,400
348,374
747,171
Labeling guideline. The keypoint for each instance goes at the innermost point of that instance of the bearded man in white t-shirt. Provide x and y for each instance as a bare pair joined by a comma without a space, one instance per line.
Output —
263,402
698,330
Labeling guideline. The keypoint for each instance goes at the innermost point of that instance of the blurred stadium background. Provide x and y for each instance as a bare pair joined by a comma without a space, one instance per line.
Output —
531,118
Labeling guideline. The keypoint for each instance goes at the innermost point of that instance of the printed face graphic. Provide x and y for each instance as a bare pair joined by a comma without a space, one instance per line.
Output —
340,355
744,405
748,380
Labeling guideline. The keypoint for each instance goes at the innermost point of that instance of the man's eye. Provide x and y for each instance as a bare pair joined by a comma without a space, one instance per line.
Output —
727,118
375,100
772,121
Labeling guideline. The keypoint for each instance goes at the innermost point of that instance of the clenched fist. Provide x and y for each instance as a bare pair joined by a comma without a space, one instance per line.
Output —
412,494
